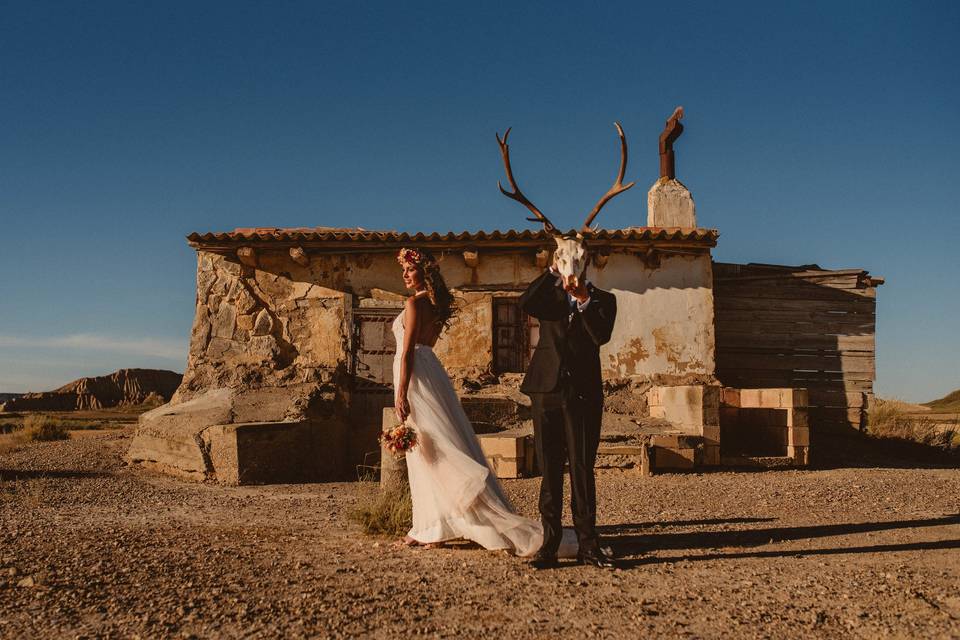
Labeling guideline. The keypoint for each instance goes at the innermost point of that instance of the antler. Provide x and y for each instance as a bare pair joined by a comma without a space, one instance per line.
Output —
517,194
618,186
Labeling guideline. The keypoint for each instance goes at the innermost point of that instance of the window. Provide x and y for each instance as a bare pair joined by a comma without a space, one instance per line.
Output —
514,336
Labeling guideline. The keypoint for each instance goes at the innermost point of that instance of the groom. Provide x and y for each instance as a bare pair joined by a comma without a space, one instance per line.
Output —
565,388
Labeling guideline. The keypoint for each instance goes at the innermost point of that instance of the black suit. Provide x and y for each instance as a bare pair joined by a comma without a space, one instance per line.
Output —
566,390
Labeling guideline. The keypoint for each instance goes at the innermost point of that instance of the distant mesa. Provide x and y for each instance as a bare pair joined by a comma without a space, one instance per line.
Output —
123,388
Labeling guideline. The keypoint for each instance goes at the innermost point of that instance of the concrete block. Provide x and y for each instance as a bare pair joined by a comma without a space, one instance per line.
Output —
798,437
393,470
711,435
800,455
730,397
690,406
770,398
508,455
675,440
711,405
653,396
791,398
750,398
665,458
711,456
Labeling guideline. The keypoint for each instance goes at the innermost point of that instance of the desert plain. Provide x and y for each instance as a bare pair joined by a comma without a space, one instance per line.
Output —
866,545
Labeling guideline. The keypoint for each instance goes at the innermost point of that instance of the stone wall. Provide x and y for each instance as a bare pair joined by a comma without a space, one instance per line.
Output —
276,324
271,348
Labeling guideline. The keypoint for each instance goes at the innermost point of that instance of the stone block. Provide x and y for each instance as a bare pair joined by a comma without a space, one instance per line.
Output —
245,322
730,397
770,398
711,435
273,452
653,396
711,405
263,324
508,455
666,458
798,437
800,455
656,411
750,398
690,406
393,469
224,321
798,418
675,440
791,398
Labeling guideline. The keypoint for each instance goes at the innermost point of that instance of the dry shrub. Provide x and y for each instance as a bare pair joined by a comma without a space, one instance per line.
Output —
385,512
890,419
9,442
39,428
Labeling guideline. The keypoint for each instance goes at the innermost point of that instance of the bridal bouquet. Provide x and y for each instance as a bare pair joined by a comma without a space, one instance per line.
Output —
399,440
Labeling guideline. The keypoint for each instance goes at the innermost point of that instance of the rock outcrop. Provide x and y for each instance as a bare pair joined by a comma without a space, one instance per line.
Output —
293,433
123,388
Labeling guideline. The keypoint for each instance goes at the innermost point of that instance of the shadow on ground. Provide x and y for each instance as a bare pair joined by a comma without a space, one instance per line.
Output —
864,451
34,474
626,541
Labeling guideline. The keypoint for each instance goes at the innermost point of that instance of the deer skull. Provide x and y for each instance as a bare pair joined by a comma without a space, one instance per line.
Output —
570,259
571,256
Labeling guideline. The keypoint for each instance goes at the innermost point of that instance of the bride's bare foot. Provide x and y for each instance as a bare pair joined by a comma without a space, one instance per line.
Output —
406,541
433,545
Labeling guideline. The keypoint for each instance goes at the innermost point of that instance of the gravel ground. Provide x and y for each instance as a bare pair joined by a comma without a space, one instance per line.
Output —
92,548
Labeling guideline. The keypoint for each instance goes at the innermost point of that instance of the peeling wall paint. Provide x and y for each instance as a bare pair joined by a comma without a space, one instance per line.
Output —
282,321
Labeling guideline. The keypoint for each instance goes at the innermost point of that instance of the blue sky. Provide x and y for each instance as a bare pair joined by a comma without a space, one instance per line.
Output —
821,132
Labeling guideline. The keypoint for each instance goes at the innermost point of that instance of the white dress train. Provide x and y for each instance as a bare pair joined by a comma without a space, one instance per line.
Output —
454,493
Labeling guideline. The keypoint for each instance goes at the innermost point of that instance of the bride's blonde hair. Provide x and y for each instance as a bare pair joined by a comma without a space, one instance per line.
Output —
441,299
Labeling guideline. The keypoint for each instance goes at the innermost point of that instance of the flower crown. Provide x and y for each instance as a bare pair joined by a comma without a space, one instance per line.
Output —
412,256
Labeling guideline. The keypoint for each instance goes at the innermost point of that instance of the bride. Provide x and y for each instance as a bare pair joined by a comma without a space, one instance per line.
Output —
454,493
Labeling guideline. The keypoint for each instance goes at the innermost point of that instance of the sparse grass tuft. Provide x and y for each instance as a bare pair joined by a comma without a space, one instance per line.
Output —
40,428
385,512
890,419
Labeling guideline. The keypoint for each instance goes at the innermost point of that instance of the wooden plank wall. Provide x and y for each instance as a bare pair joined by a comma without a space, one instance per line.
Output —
799,327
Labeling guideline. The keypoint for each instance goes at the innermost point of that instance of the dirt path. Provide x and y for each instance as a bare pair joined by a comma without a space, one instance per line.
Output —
94,549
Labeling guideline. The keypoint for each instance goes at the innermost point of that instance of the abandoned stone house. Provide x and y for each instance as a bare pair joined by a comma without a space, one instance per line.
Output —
290,355
289,366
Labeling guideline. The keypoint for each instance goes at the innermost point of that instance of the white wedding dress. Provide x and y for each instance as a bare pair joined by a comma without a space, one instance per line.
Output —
454,493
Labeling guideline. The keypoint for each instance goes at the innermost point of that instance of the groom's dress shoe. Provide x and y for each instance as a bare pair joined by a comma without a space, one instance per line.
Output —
597,558
543,560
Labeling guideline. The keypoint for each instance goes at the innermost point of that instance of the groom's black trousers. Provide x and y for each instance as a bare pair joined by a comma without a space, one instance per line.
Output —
567,429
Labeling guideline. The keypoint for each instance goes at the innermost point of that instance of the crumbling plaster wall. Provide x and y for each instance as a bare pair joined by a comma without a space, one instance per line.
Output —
282,322
664,317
